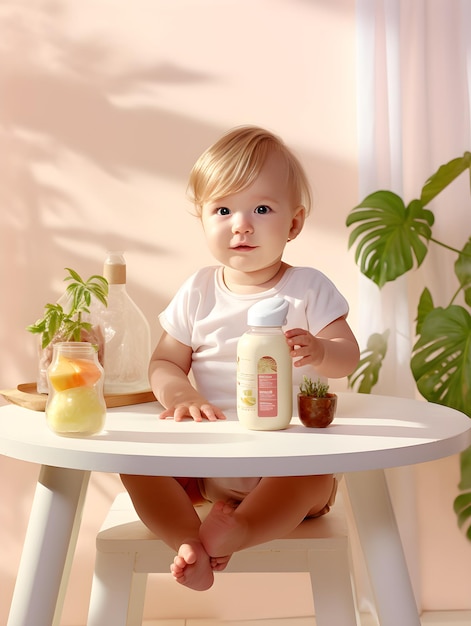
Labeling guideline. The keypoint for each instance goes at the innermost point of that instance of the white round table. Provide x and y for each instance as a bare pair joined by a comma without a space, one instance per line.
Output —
370,433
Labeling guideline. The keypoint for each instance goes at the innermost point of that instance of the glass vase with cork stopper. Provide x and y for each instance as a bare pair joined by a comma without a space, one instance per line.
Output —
127,334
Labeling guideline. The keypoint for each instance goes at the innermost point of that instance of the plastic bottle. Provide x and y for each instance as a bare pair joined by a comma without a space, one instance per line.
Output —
264,368
126,332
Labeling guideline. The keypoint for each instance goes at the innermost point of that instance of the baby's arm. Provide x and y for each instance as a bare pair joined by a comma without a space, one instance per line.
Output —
168,375
333,351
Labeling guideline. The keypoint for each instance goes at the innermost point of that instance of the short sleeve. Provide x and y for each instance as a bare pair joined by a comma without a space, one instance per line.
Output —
176,319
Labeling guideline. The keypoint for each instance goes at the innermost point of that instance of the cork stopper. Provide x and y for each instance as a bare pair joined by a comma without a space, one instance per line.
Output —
114,268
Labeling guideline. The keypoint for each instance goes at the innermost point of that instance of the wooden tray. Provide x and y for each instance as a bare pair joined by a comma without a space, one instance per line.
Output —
25,395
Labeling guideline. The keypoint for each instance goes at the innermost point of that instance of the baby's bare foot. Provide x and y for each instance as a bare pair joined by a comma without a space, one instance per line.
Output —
219,563
192,568
222,532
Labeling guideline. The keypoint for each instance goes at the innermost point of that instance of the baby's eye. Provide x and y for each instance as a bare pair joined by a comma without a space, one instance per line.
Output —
222,210
262,209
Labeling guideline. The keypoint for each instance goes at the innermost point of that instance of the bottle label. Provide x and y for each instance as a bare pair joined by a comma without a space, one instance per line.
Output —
246,395
267,387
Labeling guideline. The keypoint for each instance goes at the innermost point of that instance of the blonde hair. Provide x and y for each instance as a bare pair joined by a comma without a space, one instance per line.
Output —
234,162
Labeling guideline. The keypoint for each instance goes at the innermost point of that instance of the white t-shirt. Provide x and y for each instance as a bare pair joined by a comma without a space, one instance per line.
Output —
210,319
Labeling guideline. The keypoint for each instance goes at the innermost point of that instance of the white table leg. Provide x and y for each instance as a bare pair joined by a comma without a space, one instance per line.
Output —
49,547
382,548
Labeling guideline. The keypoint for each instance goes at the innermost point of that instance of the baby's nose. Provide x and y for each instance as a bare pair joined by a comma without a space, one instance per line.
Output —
242,224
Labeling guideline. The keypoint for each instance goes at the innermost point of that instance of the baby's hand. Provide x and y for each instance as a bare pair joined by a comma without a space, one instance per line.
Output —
197,412
304,345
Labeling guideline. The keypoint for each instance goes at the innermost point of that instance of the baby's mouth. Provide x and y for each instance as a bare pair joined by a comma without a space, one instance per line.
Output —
243,247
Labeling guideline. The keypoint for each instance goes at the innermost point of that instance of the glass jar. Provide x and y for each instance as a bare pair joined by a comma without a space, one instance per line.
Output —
75,404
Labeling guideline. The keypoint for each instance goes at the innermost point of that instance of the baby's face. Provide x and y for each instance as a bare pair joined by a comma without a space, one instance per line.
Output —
247,231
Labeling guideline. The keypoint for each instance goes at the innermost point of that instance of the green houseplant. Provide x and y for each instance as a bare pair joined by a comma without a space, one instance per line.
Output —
69,319
316,406
392,239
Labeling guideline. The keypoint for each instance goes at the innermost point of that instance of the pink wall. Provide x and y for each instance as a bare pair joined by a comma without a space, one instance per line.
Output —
101,119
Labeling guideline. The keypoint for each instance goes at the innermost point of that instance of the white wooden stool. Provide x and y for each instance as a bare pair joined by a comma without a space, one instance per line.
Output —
127,551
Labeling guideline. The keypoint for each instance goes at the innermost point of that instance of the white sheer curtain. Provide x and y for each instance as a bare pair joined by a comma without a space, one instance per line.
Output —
414,85
380,167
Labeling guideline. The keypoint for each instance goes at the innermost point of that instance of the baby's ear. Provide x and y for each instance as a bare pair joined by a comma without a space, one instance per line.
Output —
297,223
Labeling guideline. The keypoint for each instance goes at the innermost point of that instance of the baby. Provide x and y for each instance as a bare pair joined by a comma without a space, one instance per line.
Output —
252,197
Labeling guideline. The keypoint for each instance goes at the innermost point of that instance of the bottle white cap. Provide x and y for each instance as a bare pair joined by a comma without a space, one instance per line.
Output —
269,312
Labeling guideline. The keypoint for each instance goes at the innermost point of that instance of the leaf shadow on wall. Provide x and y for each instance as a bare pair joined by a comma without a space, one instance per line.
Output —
61,101
66,100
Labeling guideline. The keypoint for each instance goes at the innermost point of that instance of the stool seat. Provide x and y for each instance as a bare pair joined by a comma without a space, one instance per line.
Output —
127,551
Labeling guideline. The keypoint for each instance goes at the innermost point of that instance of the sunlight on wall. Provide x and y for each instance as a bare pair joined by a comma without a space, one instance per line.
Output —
101,121
105,119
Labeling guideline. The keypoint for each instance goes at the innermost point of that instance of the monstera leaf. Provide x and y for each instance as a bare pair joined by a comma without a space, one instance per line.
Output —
366,373
444,176
391,239
463,271
425,307
441,359
462,503
390,235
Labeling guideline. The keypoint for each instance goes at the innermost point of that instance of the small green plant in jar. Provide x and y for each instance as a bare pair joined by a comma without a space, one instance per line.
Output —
316,406
316,389
70,320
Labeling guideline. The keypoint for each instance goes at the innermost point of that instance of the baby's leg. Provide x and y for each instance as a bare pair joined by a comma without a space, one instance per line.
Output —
165,508
274,508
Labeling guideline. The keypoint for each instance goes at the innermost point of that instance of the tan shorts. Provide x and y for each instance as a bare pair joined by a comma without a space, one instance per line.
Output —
202,490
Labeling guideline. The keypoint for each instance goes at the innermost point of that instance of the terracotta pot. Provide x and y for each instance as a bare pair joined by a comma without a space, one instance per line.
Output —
316,412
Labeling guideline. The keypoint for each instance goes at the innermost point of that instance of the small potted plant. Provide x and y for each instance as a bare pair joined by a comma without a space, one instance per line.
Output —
316,406
70,320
